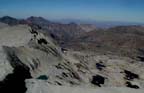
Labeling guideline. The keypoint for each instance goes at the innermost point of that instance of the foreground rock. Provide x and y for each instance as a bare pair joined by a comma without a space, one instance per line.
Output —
43,87
27,53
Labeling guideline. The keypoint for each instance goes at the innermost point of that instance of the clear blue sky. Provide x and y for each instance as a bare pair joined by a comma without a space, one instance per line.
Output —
105,10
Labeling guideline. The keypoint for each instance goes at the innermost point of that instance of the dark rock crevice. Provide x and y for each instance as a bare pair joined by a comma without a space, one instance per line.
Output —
128,84
98,80
140,58
130,76
100,66
15,82
42,41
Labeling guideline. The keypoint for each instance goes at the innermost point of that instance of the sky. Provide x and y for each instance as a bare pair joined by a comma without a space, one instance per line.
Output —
100,10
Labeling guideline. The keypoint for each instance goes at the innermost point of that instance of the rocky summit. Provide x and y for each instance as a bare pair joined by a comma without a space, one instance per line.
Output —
34,60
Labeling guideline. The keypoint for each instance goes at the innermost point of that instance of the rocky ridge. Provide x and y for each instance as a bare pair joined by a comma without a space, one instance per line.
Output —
33,58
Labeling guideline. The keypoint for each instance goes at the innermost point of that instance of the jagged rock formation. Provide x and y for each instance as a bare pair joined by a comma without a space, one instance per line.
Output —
23,56
36,55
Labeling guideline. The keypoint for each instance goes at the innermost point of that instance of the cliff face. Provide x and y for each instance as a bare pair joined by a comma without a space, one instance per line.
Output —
27,53
29,47
11,36
24,54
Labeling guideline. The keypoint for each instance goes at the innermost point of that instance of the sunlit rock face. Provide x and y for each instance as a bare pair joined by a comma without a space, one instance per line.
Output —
24,55
11,36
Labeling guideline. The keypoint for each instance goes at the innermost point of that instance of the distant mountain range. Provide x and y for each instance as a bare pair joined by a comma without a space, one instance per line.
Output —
99,24
125,39
63,32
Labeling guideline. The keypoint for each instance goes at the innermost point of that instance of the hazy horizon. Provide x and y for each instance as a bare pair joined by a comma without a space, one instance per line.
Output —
96,10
